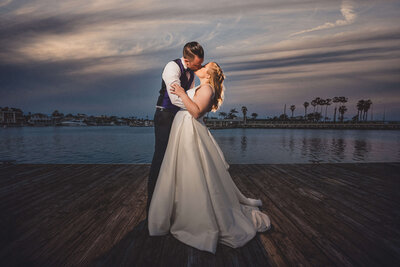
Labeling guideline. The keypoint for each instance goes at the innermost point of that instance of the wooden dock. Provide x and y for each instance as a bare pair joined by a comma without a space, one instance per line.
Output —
93,215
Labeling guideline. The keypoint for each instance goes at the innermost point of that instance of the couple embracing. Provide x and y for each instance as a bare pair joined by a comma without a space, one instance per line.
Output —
190,191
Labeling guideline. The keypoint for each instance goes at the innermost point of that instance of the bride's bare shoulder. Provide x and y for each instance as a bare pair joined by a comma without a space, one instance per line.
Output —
206,89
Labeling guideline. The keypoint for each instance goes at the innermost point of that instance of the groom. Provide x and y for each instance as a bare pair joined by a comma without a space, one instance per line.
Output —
180,71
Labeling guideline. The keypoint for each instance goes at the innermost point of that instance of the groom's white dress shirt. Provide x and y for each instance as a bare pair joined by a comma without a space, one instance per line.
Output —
171,75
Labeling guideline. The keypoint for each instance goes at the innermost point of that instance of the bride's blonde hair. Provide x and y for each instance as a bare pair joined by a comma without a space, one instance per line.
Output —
217,78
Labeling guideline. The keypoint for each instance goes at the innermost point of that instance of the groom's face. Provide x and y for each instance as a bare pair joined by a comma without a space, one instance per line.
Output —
194,64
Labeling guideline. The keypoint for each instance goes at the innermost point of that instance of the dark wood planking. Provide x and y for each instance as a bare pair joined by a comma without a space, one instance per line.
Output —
322,227
370,220
287,235
93,214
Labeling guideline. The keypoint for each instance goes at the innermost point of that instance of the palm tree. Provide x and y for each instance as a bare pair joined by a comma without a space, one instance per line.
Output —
342,110
317,101
335,100
292,108
223,114
55,113
313,103
232,112
321,102
328,102
244,111
305,104
343,99
360,108
254,115
367,105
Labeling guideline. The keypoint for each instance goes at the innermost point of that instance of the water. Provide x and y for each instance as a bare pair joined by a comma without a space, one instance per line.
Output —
121,144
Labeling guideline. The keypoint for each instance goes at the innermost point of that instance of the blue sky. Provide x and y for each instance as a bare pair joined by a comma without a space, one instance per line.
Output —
106,57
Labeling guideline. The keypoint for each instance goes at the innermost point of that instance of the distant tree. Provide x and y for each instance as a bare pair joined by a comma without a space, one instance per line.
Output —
342,110
315,116
335,100
313,103
283,117
292,108
317,102
55,113
223,114
321,102
367,105
254,115
244,111
328,102
343,99
232,113
305,104
360,108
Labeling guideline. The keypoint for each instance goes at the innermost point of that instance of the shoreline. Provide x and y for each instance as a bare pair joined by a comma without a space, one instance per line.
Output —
14,163
317,126
238,125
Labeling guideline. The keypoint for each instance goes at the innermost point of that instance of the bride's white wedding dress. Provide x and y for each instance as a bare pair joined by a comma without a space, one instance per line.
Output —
195,197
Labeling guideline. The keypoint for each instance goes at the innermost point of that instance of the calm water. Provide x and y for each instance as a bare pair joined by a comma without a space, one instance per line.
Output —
136,145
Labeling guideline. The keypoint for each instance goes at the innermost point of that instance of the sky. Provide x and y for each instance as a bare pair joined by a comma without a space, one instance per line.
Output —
106,57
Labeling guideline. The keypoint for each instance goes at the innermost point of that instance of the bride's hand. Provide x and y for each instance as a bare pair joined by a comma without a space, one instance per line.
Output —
177,90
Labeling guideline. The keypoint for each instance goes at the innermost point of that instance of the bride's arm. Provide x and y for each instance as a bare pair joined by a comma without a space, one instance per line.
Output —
200,103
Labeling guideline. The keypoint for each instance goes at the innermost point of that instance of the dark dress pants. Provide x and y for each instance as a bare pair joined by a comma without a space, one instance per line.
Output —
162,127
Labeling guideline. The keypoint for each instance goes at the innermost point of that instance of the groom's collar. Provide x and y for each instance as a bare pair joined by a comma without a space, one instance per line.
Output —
183,63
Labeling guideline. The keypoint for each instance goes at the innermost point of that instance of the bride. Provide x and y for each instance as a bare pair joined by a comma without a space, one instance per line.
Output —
195,197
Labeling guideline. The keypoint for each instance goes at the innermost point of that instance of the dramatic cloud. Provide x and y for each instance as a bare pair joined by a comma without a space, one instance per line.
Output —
349,16
106,57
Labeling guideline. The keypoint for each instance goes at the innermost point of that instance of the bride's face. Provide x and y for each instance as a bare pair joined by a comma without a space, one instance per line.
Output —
203,72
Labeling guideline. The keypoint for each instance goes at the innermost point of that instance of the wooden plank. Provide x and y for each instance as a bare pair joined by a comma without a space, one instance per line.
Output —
287,236
341,201
93,214
340,231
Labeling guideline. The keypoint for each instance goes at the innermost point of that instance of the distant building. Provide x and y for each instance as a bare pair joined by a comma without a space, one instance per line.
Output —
82,116
39,119
11,116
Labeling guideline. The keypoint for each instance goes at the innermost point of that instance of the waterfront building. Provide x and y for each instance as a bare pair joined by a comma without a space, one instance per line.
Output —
11,116
39,119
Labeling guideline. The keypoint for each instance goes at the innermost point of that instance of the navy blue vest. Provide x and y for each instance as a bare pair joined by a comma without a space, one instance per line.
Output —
163,99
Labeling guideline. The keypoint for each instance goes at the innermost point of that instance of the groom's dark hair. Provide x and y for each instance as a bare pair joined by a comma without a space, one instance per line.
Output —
192,49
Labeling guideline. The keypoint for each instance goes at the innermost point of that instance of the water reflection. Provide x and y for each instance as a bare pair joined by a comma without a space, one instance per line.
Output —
338,147
136,145
361,149
243,143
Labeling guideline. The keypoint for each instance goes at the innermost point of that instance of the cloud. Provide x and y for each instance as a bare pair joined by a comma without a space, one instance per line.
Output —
346,9
74,53
4,2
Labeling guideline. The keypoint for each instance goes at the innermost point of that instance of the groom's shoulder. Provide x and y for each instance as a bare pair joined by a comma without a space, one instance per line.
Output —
174,62
172,65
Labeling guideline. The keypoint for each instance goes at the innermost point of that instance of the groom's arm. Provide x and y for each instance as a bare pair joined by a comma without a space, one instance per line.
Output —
170,76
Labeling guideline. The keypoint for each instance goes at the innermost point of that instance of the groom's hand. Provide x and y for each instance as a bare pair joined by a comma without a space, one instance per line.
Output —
177,90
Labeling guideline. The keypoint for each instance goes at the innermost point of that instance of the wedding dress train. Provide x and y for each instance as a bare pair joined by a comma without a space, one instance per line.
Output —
195,197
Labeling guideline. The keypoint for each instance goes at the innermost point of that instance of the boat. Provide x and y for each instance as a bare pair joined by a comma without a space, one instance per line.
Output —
73,123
